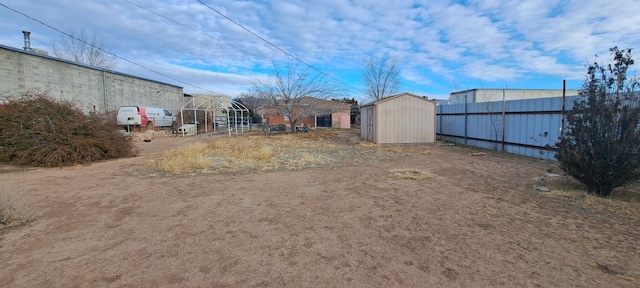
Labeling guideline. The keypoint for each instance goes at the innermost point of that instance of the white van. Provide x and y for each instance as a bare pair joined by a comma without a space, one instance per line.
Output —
143,116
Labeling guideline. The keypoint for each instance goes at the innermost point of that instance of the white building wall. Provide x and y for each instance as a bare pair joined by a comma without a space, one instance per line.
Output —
459,97
490,95
90,88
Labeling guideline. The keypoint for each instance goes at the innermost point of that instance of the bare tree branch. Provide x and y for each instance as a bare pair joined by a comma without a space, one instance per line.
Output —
250,100
298,94
83,48
380,77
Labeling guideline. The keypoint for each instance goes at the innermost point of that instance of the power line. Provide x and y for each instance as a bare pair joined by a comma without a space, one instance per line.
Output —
190,28
105,51
275,46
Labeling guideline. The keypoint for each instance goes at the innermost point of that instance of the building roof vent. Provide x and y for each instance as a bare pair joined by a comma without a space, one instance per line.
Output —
27,44
27,40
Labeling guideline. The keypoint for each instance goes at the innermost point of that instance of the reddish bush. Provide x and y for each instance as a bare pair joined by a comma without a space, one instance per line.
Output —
37,130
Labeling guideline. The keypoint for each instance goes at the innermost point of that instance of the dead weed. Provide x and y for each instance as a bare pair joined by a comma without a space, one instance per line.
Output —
412,174
624,200
13,211
192,157
292,151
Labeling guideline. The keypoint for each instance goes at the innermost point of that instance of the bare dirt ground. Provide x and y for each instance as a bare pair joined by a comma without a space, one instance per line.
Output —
476,222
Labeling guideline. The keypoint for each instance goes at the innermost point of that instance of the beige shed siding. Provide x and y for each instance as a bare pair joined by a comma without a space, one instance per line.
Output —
405,119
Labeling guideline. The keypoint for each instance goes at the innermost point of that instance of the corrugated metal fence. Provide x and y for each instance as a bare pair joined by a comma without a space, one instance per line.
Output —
527,127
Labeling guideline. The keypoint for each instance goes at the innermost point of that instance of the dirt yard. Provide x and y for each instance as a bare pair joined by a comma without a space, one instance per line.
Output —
476,221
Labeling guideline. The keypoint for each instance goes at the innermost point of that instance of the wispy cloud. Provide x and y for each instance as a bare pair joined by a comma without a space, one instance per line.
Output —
472,43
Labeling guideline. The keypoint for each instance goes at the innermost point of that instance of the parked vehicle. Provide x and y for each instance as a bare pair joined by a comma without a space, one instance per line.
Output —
142,116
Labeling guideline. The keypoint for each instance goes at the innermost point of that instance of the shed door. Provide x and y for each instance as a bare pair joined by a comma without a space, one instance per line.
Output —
370,124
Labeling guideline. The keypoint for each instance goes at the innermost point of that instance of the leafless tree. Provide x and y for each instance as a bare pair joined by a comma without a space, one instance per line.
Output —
297,94
455,86
491,107
380,77
251,101
84,48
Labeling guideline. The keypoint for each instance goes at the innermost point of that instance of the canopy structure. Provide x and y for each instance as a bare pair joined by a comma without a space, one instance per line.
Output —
222,106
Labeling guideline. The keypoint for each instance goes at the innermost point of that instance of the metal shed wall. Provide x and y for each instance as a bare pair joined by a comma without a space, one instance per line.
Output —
401,119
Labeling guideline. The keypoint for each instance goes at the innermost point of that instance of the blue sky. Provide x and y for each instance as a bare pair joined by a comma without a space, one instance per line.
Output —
441,45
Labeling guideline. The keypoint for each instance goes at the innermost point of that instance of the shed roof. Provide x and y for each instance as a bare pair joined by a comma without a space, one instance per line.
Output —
394,97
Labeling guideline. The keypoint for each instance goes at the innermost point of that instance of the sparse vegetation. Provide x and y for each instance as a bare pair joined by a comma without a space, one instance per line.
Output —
13,212
37,130
194,156
265,153
411,174
624,201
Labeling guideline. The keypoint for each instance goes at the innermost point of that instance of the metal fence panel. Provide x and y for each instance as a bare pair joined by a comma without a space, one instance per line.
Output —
528,127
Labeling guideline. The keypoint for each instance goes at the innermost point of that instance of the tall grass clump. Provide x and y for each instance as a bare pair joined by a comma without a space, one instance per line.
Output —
193,157
252,153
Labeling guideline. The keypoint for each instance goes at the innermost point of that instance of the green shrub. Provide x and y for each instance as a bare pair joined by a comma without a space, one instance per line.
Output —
601,146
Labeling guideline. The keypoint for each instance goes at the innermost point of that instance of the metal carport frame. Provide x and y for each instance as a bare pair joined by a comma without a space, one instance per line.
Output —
213,104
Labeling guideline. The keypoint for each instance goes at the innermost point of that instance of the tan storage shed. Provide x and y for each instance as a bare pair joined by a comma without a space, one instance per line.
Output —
400,119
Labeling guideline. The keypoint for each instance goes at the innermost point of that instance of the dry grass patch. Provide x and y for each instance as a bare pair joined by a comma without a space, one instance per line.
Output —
244,154
250,153
430,150
306,160
355,139
623,200
317,134
13,211
397,149
192,157
412,174
401,149
367,144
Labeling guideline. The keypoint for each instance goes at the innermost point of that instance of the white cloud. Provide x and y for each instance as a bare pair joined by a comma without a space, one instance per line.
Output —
436,42
480,69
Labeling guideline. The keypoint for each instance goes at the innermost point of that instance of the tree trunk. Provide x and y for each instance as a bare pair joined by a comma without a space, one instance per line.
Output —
293,125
